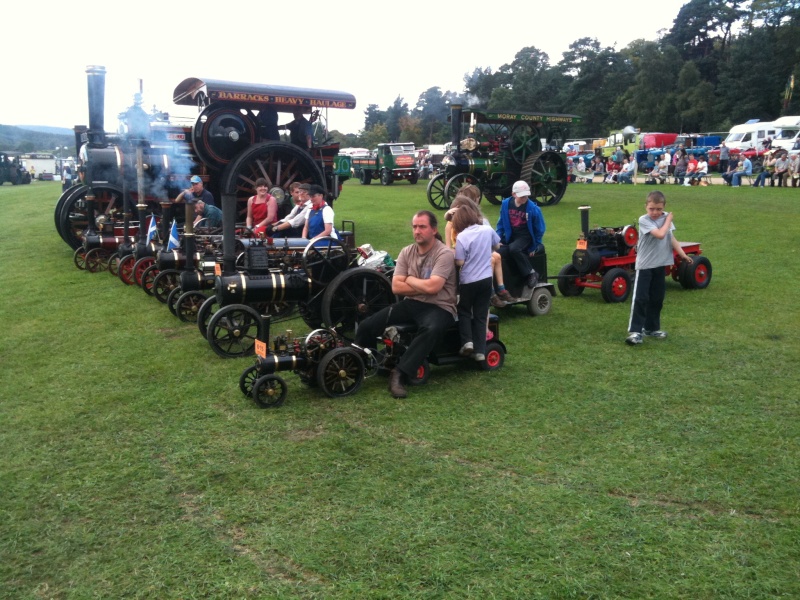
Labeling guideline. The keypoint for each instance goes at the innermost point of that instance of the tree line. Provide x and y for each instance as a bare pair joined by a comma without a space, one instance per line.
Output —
721,63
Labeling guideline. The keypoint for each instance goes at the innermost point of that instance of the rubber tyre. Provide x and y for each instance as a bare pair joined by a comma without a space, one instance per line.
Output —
616,285
540,303
566,281
698,274
386,177
495,357
422,375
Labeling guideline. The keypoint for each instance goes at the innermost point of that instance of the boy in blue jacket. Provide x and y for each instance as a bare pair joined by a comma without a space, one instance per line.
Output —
521,228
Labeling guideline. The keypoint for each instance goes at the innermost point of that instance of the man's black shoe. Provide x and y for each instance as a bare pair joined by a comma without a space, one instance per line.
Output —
396,387
533,279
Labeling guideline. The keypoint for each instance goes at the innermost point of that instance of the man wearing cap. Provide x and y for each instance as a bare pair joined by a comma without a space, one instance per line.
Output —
425,275
195,192
291,226
521,228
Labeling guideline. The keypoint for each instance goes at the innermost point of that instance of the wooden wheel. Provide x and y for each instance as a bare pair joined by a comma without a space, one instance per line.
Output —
281,164
97,259
125,269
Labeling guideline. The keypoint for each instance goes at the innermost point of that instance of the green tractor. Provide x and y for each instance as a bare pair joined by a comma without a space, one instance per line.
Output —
493,149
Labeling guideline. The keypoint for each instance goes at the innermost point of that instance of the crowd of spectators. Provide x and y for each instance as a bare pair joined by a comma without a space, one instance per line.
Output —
777,168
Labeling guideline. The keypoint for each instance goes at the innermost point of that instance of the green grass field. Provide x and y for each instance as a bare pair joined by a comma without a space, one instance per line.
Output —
133,467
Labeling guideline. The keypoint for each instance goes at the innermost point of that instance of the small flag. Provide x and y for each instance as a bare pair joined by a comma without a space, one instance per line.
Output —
152,230
173,237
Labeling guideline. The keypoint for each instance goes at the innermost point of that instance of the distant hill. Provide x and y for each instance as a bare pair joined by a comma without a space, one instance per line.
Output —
36,138
46,129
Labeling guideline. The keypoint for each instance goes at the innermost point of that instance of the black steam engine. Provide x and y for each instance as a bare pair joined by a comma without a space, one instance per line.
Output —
323,281
128,175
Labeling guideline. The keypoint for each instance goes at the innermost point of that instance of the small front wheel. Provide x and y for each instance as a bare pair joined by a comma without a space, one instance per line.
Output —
248,379
270,391
495,357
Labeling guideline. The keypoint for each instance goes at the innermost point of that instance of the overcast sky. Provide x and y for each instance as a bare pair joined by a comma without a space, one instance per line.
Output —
376,54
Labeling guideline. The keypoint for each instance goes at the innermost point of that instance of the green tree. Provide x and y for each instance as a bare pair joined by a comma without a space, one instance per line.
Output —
694,101
596,78
432,110
373,116
411,130
394,113
650,102
370,138
702,32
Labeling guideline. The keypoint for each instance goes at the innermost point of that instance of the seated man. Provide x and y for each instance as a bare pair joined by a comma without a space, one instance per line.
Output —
700,171
745,168
781,171
521,228
766,172
794,169
426,275
660,172
733,165
291,226
581,174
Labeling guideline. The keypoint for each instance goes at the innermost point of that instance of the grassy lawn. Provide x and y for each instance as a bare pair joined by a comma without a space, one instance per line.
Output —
133,467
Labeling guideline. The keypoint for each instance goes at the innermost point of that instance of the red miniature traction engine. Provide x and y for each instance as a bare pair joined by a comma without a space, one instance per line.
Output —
605,258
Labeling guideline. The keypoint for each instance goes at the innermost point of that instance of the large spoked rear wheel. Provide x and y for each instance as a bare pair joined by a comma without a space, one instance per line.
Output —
546,173
355,295
281,164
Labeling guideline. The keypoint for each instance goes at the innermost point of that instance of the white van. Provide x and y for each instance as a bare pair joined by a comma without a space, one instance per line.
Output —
789,133
750,135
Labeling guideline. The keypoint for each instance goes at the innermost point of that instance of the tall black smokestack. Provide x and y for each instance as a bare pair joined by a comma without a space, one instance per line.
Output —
455,118
585,221
97,93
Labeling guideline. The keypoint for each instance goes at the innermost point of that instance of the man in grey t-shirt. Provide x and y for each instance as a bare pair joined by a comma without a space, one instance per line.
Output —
425,275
